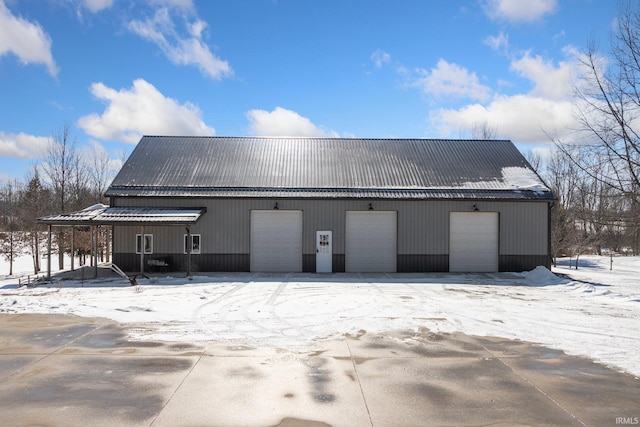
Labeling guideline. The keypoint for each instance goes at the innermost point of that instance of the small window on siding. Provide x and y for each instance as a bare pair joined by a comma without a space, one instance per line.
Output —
195,243
148,243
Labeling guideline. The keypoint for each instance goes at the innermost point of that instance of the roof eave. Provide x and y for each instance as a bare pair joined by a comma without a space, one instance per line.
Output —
453,193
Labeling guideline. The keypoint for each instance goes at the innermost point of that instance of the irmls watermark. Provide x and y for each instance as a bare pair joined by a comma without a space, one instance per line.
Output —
629,421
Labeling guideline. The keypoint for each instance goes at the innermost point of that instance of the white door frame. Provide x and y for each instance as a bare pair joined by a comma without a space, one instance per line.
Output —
324,251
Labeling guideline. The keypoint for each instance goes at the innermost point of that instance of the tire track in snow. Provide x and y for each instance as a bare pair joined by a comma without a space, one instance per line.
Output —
276,294
237,286
287,313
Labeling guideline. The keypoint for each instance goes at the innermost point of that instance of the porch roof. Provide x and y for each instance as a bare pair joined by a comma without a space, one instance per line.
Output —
104,215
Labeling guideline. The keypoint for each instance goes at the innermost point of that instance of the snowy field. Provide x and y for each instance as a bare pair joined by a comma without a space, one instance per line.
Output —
592,312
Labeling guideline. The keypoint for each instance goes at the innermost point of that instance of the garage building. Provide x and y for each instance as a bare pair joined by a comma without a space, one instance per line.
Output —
273,204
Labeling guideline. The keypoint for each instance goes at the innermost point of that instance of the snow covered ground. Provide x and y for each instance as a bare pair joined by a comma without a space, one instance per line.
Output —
591,312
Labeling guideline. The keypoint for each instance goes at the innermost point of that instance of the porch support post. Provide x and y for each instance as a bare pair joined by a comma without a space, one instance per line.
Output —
142,242
94,233
107,241
189,247
73,255
48,254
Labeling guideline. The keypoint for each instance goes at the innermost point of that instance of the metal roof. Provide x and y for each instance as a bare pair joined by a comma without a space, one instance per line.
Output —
105,215
168,166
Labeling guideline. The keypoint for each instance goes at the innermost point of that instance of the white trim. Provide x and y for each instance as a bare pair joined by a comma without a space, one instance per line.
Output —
324,251
195,249
148,240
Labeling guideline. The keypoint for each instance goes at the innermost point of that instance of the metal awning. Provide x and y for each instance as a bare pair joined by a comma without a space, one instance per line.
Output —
100,214
104,215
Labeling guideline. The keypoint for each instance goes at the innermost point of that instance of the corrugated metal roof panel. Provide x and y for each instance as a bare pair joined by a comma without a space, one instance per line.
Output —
212,166
101,214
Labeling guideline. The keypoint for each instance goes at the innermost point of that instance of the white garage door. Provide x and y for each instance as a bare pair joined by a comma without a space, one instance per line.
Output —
370,241
473,241
276,241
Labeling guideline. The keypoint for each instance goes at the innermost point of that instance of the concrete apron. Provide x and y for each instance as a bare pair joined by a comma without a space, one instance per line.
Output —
60,370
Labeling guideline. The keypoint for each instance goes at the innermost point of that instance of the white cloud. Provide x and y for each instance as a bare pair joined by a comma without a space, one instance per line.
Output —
26,40
549,81
178,48
179,4
283,122
22,145
452,80
380,58
519,10
547,109
154,29
141,110
96,6
501,41
197,28
521,118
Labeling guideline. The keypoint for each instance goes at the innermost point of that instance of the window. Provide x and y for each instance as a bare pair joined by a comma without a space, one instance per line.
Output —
195,243
148,243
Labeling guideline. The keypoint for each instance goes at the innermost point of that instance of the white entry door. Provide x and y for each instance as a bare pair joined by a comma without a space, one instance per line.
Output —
324,252
276,241
473,241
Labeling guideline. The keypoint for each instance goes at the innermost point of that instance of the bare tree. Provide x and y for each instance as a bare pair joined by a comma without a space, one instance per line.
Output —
34,203
64,169
608,105
607,100
483,131
587,213
535,160
562,176
10,243
99,170
57,165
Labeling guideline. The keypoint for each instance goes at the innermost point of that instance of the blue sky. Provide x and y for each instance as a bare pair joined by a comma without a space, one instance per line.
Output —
114,70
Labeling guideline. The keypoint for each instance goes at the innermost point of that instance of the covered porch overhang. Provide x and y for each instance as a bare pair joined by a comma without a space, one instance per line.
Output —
99,214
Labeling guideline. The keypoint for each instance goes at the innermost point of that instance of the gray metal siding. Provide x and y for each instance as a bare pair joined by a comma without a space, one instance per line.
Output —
418,263
523,262
423,227
523,228
178,262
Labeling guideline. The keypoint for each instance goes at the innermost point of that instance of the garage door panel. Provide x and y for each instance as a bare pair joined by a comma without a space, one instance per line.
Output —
371,241
276,241
473,241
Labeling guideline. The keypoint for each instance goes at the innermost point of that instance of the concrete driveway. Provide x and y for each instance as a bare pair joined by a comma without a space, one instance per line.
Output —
58,370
